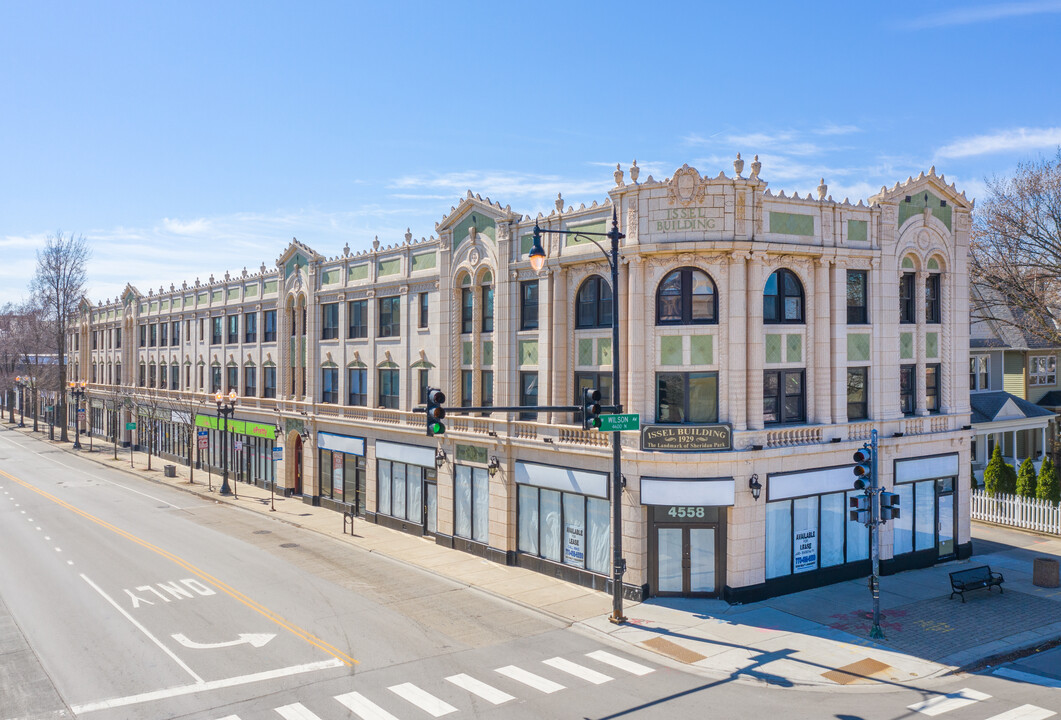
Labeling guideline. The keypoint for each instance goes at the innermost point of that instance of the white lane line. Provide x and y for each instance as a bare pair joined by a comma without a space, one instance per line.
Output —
205,687
363,707
579,671
1024,712
619,662
478,687
142,629
1027,677
296,711
422,699
946,703
230,717
528,678
58,549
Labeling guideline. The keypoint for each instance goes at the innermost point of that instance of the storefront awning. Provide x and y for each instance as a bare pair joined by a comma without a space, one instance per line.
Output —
341,443
564,479
926,468
698,492
409,454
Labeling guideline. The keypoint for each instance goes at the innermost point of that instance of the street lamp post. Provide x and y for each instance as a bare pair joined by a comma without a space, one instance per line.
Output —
537,260
21,382
225,410
78,391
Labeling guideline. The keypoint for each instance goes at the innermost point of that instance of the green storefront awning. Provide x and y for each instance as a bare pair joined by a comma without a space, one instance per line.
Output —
239,427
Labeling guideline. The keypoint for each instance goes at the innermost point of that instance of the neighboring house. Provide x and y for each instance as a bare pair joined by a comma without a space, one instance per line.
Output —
1013,387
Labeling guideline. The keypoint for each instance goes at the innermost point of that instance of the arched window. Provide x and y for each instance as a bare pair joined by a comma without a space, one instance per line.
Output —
783,298
593,305
686,297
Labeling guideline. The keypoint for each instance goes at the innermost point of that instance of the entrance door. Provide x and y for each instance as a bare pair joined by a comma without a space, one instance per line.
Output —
297,488
686,560
945,517
430,508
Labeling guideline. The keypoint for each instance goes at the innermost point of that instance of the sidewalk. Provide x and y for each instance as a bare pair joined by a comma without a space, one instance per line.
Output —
818,637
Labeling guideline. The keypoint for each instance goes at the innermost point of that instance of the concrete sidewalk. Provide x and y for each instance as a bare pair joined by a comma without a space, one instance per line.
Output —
818,637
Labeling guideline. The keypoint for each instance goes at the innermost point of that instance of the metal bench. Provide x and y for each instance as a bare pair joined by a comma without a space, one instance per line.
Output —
974,579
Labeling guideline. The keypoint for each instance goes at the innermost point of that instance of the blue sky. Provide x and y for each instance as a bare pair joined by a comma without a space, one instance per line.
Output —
187,139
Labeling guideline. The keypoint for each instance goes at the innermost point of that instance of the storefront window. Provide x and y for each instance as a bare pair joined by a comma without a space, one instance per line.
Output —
471,503
399,491
564,527
812,532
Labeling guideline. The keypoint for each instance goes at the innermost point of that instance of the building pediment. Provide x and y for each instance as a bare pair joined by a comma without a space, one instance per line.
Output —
932,183
297,255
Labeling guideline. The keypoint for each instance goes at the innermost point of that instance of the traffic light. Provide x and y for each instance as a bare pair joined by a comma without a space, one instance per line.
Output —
863,466
591,409
435,412
859,511
889,506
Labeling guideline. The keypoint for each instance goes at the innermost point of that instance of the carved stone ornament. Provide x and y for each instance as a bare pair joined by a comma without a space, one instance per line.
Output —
474,257
924,237
738,165
618,175
634,172
686,186
756,167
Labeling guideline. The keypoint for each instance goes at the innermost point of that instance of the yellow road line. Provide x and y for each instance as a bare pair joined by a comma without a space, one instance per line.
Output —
222,586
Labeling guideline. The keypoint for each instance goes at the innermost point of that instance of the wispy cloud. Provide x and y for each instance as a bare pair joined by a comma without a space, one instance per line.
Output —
831,129
968,15
1017,139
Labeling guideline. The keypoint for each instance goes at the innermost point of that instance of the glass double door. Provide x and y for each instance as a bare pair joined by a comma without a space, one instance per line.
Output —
686,559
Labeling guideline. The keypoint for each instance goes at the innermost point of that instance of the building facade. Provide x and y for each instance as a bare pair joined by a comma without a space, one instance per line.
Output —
762,338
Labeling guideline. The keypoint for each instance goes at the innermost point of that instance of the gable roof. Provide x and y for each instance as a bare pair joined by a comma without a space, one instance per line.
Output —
991,406
936,183
1004,328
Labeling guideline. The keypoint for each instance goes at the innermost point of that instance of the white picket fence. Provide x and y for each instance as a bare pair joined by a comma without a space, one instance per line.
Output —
1017,511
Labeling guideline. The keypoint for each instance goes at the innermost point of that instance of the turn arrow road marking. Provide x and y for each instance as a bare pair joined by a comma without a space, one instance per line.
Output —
255,639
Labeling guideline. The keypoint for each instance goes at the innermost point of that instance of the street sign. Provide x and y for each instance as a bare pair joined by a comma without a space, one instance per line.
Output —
49,408
130,426
278,453
239,445
619,423
204,443
81,412
203,433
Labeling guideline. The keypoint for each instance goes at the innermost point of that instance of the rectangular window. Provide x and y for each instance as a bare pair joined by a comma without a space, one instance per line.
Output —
471,503
783,399
1042,370
466,388
932,386
269,381
175,334
358,317
980,372
330,385
151,375
142,375
143,336
216,327
684,397
422,378
357,386
163,335
908,389
932,312
422,318
117,337
215,379
488,309
250,327
857,310
95,339
528,393
162,376
564,527
152,335
857,384
388,389
329,321
232,379
487,389
233,329
467,310
528,305
250,381
269,323
906,299
202,324
589,380
201,378
174,377
390,317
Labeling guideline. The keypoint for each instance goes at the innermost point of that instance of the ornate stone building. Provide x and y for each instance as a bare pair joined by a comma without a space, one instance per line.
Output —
762,337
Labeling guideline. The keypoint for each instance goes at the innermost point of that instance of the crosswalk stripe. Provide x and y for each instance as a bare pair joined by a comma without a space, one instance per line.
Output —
422,699
1024,712
296,711
946,703
580,671
622,663
363,707
528,678
478,687
230,717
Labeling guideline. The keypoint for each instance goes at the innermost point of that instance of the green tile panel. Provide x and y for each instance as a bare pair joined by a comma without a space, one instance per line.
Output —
216,296
528,352
250,290
488,352
932,345
858,347
357,272
604,351
917,205
483,225
857,231
270,287
792,224
471,453
424,261
466,352
670,350
390,267
906,346
331,277
596,227
233,294
772,345
793,348
702,351
585,351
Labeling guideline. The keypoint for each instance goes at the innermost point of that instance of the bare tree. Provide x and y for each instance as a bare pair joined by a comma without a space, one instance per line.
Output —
59,285
1016,251
186,406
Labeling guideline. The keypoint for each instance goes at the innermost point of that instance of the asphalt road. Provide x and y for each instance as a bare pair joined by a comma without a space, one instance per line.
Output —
122,599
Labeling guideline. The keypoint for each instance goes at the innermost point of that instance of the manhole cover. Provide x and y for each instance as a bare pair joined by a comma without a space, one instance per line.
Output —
288,545
262,532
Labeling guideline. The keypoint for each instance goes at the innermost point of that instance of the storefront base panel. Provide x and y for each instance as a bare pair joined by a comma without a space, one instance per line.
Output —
577,576
795,583
342,507
397,524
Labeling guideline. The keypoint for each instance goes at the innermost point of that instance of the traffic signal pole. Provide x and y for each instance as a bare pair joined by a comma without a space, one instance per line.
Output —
874,539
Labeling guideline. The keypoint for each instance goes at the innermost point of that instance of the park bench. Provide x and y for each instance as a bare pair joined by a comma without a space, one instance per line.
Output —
974,579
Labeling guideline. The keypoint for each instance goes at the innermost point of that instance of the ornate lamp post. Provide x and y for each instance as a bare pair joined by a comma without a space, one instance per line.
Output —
21,382
537,260
77,389
225,410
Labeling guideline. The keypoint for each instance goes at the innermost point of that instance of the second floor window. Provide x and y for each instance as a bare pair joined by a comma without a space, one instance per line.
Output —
684,397
980,372
330,321
152,335
330,385
686,297
528,305
233,329
422,320
422,378
232,378
357,386
783,397
269,381
175,335
269,329
932,311
783,298
593,304
390,316
163,339
467,310
215,335
250,327
528,393
467,385
215,379
143,336
250,381
857,296
174,377
907,389
488,308
486,389
587,380
117,337
857,385
932,386
1042,370
906,299
358,320
388,389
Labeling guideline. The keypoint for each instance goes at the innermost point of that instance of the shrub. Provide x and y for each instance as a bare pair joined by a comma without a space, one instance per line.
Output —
1009,480
1048,488
1026,480
993,473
